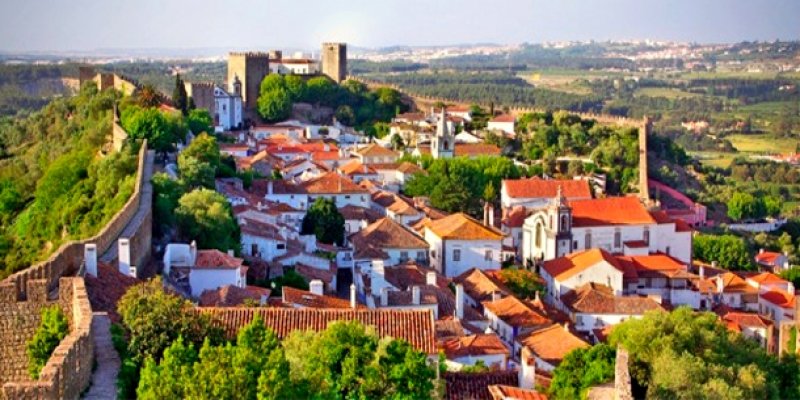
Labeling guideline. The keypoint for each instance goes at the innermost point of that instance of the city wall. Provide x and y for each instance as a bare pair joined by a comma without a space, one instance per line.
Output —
67,259
69,369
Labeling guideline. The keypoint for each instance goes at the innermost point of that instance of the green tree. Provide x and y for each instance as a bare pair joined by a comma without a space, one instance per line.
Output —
147,96
295,87
196,173
53,328
450,195
274,105
582,369
397,142
204,148
179,97
729,251
166,193
199,120
205,216
271,83
523,283
160,130
344,114
325,221
154,319
741,206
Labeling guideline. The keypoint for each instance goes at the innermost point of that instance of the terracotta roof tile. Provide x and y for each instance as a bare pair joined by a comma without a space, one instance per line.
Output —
387,234
475,386
745,319
609,211
516,217
540,188
311,273
516,313
552,344
410,274
351,212
476,149
565,267
480,286
460,226
503,392
767,257
331,182
375,150
304,298
414,326
594,298
231,296
355,167
504,118
214,259
780,298
474,345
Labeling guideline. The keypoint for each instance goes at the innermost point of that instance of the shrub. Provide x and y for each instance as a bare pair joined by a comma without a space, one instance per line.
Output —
53,328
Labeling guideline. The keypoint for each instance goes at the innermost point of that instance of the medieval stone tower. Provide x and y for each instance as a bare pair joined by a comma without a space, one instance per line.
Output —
250,69
334,61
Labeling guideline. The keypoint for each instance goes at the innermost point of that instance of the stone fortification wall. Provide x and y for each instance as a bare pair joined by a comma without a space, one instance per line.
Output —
622,376
68,258
69,369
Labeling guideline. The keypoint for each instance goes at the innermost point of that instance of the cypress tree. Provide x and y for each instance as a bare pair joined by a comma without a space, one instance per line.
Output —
179,96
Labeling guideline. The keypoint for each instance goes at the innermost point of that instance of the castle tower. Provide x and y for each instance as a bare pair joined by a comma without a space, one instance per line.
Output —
334,61
250,68
644,187
443,143
560,215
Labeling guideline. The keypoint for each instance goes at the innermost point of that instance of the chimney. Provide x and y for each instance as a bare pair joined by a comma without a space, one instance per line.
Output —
491,214
269,186
702,272
566,326
415,295
124,255
761,251
230,253
316,287
384,296
430,278
790,288
353,295
460,301
326,147
536,297
486,214
193,253
495,296
527,373
714,264
720,286
90,258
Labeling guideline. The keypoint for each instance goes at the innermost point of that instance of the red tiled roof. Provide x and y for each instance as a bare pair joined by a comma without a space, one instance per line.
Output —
479,285
567,266
504,118
414,326
779,298
552,344
475,386
503,392
305,298
768,257
351,212
594,298
355,167
540,188
387,234
331,182
766,277
609,211
107,289
231,296
636,244
516,313
375,150
474,345
745,319
406,275
476,149
311,273
460,226
213,259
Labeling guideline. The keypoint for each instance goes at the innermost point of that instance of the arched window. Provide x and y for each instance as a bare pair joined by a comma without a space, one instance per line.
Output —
538,238
563,227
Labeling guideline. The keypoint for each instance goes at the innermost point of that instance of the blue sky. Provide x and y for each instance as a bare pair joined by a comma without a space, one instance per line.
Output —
61,25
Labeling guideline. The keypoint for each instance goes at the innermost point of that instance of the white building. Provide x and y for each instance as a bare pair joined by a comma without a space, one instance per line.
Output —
394,241
468,350
443,143
550,345
294,66
207,269
261,240
227,108
330,185
595,306
504,123
458,242
565,274
619,225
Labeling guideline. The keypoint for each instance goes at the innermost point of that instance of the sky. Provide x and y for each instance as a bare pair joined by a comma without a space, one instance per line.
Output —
85,25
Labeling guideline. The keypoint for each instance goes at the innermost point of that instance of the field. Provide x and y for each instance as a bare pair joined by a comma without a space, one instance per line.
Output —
668,93
763,143
713,158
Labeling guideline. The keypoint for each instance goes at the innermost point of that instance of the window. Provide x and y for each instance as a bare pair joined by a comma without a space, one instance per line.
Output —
668,250
617,239
488,255
539,234
579,319
608,281
433,253
420,255
403,255
574,245
347,196
588,241
456,255
253,249
646,236
563,226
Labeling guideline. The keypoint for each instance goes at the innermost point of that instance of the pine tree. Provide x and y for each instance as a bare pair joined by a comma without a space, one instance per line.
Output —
179,96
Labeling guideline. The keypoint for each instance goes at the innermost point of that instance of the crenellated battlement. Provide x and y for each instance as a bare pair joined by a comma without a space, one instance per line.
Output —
249,54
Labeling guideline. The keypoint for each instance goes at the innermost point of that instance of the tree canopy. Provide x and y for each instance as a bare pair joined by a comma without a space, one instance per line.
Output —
728,250
206,216
325,221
